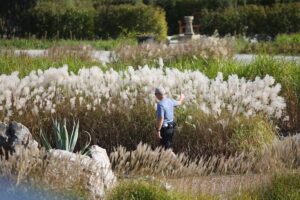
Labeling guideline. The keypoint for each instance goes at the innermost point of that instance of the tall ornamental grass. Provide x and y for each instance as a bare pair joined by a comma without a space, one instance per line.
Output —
144,161
287,73
122,106
205,47
44,91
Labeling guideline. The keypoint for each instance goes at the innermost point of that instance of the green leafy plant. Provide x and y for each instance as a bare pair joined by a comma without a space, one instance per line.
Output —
139,190
64,140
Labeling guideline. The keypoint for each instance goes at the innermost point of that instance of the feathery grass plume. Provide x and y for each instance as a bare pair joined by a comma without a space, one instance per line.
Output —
283,154
205,47
44,91
119,98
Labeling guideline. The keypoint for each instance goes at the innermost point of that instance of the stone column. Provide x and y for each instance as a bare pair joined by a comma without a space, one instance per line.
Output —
189,25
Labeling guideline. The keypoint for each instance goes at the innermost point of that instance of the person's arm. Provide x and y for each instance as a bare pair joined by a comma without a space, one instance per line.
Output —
159,124
160,119
181,100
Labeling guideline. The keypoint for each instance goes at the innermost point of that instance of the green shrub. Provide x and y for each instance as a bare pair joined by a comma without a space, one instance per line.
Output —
25,64
115,21
2,27
140,190
199,133
51,20
63,139
284,44
284,39
283,187
273,20
33,43
252,134
57,20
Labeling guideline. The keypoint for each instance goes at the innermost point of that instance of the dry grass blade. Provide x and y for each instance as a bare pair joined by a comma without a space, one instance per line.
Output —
283,154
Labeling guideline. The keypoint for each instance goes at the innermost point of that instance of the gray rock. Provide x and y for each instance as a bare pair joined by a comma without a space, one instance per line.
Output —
99,154
100,176
14,136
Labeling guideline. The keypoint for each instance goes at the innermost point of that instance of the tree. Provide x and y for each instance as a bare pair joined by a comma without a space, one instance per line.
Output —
11,11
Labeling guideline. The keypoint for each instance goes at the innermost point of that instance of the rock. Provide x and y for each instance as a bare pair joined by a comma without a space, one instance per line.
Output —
99,154
14,136
99,174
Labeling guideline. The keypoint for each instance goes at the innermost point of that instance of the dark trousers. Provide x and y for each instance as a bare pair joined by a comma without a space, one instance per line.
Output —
167,135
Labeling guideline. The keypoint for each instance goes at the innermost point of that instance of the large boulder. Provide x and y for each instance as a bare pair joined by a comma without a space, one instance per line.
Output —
100,155
15,136
98,172
94,173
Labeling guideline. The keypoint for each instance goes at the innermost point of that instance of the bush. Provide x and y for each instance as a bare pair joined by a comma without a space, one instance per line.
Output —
177,9
2,27
49,19
140,190
53,20
283,187
279,18
115,21
251,135
284,44
200,134
284,39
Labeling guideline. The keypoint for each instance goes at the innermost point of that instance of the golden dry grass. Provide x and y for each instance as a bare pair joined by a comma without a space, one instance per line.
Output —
219,185
61,174
282,154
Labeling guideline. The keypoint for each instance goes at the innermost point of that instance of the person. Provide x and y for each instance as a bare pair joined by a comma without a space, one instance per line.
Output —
165,125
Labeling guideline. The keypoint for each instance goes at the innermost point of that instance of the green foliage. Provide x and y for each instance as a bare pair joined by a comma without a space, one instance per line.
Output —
283,187
286,44
12,13
25,64
284,39
252,134
198,132
115,21
251,20
52,20
140,190
63,139
32,43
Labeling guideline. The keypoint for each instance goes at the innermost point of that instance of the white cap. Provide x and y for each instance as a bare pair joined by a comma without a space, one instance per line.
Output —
160,90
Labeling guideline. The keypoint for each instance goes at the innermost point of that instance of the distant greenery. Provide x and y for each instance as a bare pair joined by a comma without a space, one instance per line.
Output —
115,21
32,43
53,19
283,44
13,14
25,64
251,20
